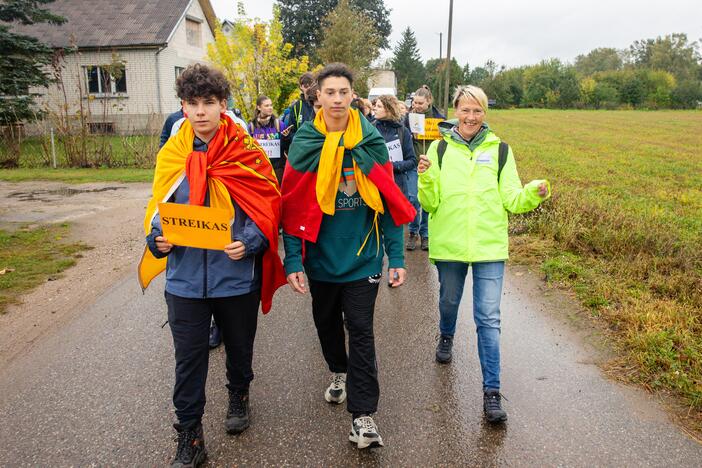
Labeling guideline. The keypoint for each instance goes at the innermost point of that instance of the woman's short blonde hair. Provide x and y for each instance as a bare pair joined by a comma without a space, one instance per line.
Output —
392,107
471,92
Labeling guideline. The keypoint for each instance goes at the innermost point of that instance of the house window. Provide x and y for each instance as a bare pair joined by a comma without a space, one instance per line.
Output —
179,71
193,32
100,81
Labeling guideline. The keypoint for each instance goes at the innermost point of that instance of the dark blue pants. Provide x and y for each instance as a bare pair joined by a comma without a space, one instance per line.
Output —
189,320
357,301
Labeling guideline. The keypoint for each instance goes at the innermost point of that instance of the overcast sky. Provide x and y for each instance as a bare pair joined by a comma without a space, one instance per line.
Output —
514,33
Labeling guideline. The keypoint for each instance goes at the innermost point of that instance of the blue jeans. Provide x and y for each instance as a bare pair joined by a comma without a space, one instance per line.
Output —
420,225
487,291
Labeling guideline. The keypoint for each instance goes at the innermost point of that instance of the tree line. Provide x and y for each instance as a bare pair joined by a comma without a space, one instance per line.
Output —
665,72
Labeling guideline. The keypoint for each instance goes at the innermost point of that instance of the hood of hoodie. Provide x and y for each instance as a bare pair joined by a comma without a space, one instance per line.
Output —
450,128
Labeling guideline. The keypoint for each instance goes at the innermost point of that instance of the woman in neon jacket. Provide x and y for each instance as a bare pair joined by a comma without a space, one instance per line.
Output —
468,204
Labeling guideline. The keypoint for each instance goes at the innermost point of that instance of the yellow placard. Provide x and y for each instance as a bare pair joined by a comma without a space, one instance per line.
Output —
195,226
431,130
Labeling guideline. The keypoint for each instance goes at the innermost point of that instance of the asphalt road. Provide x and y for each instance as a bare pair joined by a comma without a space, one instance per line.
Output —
97,391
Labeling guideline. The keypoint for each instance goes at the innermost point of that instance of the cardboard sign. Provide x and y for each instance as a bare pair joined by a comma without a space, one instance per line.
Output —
271,147
416,123
395,150
431,130
195,226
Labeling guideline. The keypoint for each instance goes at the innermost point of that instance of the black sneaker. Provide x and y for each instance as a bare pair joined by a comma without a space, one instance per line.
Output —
443,349
425,243
215,336
412,241
492,406
238,413
191,450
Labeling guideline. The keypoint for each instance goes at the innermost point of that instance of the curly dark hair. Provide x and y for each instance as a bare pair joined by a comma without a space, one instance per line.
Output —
201,81
339,70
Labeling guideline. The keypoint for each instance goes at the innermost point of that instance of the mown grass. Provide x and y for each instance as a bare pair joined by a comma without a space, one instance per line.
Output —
624,229
77,176
29,257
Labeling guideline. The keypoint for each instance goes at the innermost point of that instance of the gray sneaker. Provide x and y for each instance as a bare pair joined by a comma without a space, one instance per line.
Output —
364,433
336,392
444,349
412,241
492,406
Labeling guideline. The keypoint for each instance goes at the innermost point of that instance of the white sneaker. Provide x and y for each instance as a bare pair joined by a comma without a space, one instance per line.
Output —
364,433
336,392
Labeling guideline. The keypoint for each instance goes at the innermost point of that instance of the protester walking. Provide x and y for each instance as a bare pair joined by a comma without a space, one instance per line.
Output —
269,131
341,213
468,181
422,103
210,162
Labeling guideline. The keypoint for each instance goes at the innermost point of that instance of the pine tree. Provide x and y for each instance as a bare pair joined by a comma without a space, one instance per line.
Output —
407,63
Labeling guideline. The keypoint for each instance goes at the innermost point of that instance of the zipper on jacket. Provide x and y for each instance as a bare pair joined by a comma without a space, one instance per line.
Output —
204,280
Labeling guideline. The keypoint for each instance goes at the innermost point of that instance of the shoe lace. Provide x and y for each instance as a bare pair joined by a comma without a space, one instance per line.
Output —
493,401
236,404
338,381
185,441
444,344
366,423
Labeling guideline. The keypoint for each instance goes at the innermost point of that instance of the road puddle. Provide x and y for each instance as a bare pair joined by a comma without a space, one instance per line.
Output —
53,195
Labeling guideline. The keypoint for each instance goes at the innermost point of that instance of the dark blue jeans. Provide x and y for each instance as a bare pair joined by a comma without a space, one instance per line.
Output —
487,291
420,224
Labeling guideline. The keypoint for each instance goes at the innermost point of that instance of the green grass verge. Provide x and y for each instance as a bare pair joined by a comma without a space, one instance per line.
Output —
29,257
77,176
623,229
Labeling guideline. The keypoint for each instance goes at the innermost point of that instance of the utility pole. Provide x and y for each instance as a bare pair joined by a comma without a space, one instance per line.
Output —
447,90
439,95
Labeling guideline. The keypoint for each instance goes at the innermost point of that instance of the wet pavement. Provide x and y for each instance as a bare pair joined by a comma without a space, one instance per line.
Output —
97,391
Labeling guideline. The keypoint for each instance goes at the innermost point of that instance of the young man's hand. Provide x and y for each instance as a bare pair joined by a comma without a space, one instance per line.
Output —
162,244
397,277
236,250
297,282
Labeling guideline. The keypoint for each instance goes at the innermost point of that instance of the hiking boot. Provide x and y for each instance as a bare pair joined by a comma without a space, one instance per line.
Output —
215,336
364,433
425,243
443,349
238,413
336,392
492,406
191,450
412,241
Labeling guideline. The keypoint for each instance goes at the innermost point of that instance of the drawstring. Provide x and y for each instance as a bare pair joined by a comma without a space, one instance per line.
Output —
377,236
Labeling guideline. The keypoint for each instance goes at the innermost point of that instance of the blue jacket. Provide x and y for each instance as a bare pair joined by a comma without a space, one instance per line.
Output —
168,125
199,273
390,131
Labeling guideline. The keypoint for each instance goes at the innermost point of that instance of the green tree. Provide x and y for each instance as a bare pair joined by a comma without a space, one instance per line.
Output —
23,59
436,77
687,94
407,64
551,84
599,60
303,22
356,46
256,61
672,53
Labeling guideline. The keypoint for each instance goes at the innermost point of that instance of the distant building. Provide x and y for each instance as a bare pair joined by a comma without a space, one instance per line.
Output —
155,39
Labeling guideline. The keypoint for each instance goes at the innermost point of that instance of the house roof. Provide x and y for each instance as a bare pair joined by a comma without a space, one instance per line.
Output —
111,23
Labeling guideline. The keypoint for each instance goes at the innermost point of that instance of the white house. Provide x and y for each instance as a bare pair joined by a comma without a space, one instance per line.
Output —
156,40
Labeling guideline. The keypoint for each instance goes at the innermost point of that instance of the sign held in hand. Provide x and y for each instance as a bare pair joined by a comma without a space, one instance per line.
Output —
202,227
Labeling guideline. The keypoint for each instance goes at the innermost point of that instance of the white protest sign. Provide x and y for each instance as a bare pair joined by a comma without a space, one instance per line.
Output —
416,123
395,150
271,147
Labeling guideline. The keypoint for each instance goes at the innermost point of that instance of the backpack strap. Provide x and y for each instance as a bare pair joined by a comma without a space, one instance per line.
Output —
440,150
502,158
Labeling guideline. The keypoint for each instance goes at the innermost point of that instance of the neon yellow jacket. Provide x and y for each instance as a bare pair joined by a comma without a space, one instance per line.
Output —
467,208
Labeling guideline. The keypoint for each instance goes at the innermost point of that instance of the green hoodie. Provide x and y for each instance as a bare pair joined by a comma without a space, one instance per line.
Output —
466,204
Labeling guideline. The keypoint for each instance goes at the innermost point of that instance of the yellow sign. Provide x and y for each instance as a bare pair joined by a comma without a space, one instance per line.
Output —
431,130
195,226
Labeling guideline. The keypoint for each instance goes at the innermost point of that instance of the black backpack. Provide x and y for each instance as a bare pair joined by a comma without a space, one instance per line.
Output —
501,155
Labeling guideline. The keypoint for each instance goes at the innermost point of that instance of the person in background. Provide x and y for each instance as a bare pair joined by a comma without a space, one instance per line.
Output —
300,110
267,129
312,98
403,109
469,192
398,139
419,228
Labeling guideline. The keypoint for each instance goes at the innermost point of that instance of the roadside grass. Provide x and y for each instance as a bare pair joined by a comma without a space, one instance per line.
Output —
77,176
623,230
29,257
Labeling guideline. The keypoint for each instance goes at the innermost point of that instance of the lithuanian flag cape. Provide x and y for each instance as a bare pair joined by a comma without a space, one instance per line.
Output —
313,172
234,167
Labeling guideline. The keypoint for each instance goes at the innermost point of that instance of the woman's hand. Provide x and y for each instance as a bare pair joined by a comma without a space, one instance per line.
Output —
162,244
543,190
297,282
236,250
424,164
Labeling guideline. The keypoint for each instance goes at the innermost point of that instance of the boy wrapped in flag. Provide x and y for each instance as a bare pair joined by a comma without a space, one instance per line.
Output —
341,212
211,161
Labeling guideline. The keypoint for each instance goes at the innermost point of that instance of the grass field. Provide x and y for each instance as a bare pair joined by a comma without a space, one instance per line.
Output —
29,257
624,229
77,176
